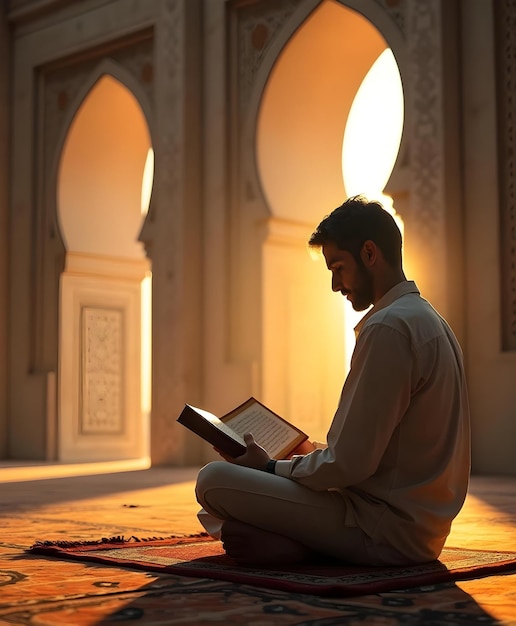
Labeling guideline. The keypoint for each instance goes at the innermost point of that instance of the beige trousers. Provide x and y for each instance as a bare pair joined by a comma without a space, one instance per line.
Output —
280,505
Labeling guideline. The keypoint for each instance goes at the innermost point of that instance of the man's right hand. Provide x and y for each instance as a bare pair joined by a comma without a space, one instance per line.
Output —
255,456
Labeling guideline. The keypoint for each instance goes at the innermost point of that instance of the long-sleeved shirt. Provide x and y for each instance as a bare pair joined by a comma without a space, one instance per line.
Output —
399,445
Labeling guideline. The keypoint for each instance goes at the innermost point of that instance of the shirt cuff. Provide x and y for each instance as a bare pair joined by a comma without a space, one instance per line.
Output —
282,468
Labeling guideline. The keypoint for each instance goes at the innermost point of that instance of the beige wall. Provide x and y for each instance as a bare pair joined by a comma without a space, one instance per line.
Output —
491,371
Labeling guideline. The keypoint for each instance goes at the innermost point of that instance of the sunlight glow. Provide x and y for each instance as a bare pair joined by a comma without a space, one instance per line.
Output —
25,471
146,306
146,347
372,135
370,147
147,180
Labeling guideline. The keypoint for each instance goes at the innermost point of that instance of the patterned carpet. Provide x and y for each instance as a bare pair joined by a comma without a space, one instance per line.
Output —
47,591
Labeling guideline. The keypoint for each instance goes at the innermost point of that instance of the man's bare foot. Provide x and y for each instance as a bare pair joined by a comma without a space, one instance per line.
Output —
249,545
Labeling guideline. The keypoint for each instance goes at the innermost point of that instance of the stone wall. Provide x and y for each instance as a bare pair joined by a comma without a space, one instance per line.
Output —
205,69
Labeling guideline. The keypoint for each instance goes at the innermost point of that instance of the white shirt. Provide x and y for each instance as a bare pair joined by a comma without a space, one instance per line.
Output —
399,444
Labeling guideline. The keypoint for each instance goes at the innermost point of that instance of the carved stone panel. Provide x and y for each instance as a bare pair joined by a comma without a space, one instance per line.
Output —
99,400
506,38
425,98
102,381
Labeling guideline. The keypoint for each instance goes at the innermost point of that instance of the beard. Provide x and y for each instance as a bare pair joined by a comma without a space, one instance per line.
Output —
363,294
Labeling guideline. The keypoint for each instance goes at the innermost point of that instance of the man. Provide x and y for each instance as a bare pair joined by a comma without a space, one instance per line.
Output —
395,470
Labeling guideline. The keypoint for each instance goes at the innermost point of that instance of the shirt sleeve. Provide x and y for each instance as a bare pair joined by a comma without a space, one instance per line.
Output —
375,396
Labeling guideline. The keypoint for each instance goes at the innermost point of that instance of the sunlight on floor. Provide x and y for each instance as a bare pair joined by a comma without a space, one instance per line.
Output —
497,527
19,471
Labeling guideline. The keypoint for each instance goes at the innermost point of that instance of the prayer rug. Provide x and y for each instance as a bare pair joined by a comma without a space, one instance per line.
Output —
200,556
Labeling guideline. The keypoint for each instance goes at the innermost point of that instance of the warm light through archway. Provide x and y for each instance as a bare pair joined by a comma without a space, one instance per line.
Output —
146,192
370,147
373,131
147,180
101,172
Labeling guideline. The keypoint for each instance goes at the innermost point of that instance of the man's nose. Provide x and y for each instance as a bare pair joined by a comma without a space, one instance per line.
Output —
335,283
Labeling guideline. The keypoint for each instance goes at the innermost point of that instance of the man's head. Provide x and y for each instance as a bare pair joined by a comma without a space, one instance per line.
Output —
350,225
362,247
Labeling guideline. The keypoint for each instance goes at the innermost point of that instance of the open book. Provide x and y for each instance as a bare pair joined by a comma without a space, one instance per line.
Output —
271,431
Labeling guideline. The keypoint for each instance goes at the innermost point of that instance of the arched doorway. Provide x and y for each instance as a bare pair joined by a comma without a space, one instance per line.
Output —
104,182
308,108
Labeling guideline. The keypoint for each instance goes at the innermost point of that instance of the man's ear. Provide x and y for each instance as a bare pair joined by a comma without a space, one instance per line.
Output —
369,253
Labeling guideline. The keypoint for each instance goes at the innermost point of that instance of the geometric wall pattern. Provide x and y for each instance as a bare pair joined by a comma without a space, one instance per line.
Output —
102,358
505,13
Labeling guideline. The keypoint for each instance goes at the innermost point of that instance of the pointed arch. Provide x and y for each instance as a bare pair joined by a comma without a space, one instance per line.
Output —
123,76
380,21
107,69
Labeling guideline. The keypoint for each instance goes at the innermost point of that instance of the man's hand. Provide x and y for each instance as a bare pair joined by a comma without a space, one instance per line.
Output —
255,456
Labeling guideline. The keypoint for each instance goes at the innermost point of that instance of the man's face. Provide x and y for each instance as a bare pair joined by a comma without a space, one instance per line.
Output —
352,279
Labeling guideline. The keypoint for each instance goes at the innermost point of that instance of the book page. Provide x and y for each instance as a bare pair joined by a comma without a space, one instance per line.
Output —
270,432
224,427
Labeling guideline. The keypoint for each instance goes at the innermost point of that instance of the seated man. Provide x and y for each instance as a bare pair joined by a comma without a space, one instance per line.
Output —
395,470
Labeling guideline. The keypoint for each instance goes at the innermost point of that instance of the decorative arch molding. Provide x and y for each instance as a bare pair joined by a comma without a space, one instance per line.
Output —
283,20
126,78
64,85
120,73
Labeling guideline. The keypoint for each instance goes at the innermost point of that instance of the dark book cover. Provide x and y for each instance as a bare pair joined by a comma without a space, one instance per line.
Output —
212,430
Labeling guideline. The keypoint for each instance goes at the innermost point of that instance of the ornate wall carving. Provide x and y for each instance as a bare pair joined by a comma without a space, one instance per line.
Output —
102,356
505,21
426,125
169,89
257,24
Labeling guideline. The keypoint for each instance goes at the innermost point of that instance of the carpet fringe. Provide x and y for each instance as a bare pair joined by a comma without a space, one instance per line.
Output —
108,540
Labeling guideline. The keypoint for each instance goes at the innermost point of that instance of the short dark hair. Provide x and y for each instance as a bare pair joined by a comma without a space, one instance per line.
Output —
356,221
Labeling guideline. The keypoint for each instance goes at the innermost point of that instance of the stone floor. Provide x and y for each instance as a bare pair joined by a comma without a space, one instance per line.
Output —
56,502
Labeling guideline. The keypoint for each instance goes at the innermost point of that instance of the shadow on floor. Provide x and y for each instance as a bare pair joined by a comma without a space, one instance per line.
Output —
20,494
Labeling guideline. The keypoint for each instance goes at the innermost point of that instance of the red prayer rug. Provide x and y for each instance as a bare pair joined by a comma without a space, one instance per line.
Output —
200,556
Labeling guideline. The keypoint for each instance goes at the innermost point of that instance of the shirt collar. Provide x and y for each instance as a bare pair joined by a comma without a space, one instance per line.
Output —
401,289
